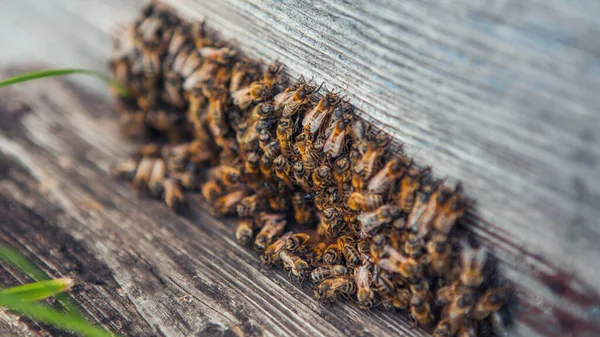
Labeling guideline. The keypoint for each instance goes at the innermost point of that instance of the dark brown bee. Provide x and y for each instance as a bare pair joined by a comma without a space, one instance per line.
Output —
297,242
332,254
420,311
273,227
332,288
364,202
302,212
271,254
348,249
244,231
491,301
324,272
364,294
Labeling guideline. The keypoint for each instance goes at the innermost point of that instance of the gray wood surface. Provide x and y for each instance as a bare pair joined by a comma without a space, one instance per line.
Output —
502,95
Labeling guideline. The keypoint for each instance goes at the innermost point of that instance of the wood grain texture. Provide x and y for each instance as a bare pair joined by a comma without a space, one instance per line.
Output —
501,95
143,270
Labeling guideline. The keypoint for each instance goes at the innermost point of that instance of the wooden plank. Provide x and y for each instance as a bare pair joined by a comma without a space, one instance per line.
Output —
500,95
143,270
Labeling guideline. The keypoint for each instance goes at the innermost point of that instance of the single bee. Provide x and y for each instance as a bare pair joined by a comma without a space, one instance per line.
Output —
371,156
305,147
328,271
450,211
302,212
491,301
364,202
420,288
321,176
414,221
372,220
331,222
318,115
378,244
274,225
226,204
272,75
244,231
315,253
472,261
332,254
255,93
436,202
294,264
299,98
348,249
301,177
239,75
364,294
266,166
446,294
252,164
342,174
297,242
173,196
364,248
337,139
284,134
392,261
271,254
211,190
439,254
229,176
386,177
420,311
248,206
331,289
413,246
283,169
453,314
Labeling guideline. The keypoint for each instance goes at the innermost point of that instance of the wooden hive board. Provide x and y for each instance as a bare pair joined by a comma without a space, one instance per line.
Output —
500,95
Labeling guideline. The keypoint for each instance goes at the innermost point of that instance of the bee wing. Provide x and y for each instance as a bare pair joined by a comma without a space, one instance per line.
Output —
310,115
380,182
317,122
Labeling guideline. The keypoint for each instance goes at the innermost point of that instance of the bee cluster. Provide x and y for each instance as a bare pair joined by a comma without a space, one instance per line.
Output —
370,224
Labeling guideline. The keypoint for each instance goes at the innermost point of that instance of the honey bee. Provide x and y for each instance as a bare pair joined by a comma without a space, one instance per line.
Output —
364,248
392,297
364,294
254,93
413,246
284,134
491,301
240,72
321,176
414,221
317,116
371,155
439,254
330,222
173,196
295,264
324,272
335,142
332,254
386,177
342,174
282,169
378,244
315,253
301,177
300,97
348,249
266,166
394,262
248,206
364,202
473,261
297,242
273,227
211,190
453,314
229,176
372,220
450,211
331,288
227,204
143,173
271,254
272,75
302,213
244,231
420,311
446,294
252,165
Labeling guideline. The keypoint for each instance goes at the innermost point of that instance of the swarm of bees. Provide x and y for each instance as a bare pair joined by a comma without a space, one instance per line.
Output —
316,192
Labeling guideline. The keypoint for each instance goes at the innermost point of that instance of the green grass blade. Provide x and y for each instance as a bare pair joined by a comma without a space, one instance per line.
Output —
21,262
34,75
45,314
39,290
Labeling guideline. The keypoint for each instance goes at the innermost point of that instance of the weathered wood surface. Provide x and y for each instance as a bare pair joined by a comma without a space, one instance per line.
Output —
499,94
